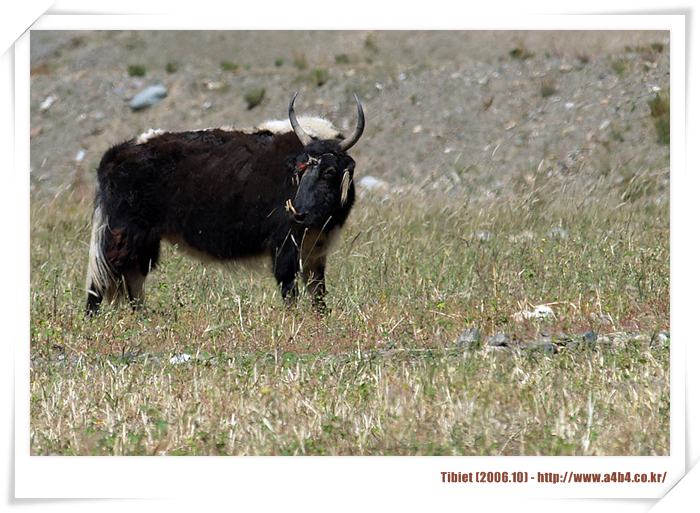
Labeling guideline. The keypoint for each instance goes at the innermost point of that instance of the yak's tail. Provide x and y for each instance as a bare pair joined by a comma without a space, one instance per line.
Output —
101,279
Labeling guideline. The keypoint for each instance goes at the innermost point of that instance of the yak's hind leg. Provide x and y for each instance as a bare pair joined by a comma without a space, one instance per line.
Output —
134,284
94,299
101,281
120,259
131,285
143,257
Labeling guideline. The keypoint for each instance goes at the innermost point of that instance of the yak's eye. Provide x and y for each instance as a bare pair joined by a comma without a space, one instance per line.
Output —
329,172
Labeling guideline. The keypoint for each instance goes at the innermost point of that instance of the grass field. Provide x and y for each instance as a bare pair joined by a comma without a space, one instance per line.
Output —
381,373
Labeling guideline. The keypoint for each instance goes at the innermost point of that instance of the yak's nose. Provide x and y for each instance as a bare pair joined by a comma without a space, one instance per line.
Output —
299,217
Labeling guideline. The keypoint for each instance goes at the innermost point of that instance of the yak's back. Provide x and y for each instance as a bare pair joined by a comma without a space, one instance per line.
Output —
158,154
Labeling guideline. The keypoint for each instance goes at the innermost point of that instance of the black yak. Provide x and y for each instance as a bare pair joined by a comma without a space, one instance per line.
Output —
221,195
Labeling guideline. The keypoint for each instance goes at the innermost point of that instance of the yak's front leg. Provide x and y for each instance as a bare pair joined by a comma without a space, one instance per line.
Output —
285,268
314,274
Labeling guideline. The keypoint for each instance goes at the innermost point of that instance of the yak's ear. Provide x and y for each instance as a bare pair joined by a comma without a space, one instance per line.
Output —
296,164
349,166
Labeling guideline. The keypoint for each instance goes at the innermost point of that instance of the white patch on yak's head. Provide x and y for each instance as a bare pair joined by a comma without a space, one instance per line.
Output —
150,134
316,127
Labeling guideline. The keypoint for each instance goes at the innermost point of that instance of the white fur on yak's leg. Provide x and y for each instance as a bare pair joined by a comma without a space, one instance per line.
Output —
100,278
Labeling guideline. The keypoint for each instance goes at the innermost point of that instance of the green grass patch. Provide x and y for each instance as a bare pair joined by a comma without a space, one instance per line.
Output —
548,86
229,66
620,65
319,77
342,58
253,97
660,108
136,70
301,62
521,54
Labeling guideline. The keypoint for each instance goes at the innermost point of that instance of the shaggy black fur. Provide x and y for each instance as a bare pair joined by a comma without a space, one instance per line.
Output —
222,194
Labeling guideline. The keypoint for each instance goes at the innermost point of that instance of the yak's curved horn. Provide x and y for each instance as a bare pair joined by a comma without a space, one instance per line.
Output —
303,136
345,144
349,142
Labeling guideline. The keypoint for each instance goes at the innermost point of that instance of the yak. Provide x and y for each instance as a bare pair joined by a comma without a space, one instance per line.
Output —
220,195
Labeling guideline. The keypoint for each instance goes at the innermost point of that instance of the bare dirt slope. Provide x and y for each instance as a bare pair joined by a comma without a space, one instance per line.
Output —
448,111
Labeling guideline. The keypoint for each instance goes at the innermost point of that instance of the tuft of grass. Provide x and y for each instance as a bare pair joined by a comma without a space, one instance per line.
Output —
548,86
279,63
319,76
136,70
300,61
583,58
229,66
172,67
43,68
521,54
371,43
660,107
253,97
620,65
643,49
342,58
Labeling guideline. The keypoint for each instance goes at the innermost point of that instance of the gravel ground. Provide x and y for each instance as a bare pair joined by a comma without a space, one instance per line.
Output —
449,111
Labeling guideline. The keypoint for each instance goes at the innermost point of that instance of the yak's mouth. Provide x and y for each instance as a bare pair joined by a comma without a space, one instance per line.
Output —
299,217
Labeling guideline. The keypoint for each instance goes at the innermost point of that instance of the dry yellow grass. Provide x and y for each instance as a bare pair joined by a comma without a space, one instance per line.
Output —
381,374
479,404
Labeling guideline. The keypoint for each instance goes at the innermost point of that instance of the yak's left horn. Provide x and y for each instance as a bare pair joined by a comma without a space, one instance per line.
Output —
303,136
348,143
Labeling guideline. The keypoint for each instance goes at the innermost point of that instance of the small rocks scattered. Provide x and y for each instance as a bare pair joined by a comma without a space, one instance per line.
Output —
59,357
542,312
46,104
371,183
469,339
179,359
148,97
662,339
590,338
498,340
539,312
541,343
553,343
547,347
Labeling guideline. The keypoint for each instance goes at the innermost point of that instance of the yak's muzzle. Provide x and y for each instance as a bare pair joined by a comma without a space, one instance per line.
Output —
298,217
